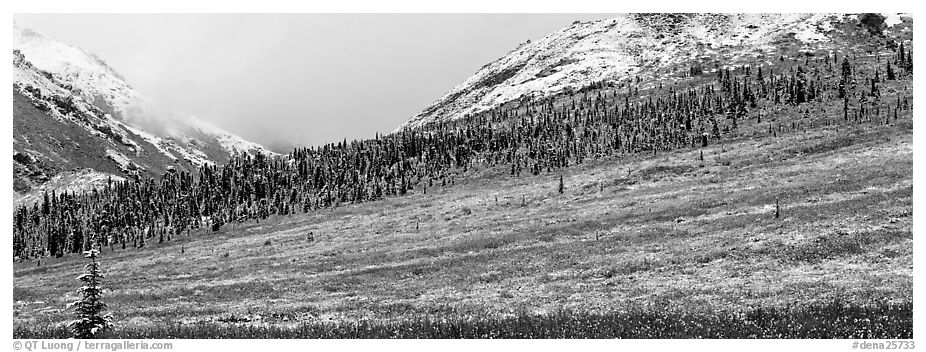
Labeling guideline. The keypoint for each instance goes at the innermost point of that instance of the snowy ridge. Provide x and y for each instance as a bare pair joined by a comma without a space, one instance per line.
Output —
47,71
89,76
73,112
26,75
47,91
621,48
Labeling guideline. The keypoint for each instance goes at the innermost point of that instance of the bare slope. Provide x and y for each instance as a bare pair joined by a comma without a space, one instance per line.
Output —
632,231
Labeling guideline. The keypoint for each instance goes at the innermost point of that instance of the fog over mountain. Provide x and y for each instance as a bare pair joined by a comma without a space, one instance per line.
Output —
280,80
76,119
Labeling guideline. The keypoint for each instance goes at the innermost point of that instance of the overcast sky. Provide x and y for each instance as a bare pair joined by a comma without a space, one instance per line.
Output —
303,79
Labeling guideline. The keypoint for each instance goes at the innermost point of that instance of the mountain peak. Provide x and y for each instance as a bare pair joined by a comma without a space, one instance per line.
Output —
90,77
623,47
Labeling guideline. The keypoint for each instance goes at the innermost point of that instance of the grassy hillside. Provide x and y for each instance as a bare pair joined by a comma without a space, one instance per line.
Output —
640,232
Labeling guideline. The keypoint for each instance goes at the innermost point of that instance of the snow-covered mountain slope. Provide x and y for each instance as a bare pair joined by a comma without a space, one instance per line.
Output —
73,112
78,181
87,75
624,47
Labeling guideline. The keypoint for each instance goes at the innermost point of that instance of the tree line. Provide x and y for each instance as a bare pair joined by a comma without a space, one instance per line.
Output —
526,137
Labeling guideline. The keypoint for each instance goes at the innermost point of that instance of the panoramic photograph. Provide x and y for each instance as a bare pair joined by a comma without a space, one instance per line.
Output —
463,176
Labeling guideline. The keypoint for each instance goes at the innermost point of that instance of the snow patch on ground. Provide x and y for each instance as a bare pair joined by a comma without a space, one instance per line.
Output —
156,141
892,19
194,156
123,161
78,181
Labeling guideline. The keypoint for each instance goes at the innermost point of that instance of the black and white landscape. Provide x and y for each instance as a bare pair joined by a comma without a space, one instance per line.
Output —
641,176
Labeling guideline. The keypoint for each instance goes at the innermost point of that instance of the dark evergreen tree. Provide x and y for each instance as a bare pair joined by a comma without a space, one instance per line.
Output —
89,309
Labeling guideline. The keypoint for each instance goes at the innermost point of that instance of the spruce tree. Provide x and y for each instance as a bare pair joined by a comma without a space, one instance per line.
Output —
90,320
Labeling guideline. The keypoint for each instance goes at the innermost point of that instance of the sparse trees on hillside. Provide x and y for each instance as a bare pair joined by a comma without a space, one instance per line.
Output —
525,137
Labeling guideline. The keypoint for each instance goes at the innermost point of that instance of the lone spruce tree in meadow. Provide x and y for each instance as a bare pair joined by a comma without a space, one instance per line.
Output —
89,309
562,187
